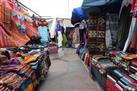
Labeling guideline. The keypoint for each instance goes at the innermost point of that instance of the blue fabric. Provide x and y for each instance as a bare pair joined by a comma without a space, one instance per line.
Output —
102,5
42,30
78,14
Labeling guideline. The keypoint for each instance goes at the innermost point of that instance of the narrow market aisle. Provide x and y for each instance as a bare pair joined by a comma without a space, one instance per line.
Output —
67,73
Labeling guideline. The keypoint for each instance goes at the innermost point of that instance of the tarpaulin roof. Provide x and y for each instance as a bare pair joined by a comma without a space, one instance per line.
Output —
101,5
78,14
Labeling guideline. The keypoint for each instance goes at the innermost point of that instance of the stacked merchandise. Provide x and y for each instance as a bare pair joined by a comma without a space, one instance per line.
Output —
123,77
119,80
28,67
53,48
83,53
99,65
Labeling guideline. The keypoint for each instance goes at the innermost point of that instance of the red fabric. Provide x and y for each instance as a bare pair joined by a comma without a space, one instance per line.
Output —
109,85
134,42
134,8
87,59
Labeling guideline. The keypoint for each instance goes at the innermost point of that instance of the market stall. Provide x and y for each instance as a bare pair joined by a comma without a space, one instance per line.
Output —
109,53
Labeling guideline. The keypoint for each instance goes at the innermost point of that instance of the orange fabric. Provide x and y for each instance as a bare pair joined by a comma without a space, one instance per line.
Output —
6,40
19,38
31,31
130,57
29,59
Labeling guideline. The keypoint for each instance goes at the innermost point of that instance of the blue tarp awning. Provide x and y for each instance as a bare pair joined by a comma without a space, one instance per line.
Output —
101,5
78,14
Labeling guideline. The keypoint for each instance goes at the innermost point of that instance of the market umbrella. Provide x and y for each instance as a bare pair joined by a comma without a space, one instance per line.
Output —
78,15
101,6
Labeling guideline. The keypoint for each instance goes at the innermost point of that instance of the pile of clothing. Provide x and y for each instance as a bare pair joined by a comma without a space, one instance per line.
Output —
27,65
53,48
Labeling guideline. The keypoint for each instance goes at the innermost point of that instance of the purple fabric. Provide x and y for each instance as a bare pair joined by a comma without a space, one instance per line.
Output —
58,27
13,61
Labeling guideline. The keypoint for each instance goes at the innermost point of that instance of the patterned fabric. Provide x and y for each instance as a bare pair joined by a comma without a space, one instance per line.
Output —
123,79
102,63
134,42
7,14
134,8
76,36
111,29
43,66
31,31
96,33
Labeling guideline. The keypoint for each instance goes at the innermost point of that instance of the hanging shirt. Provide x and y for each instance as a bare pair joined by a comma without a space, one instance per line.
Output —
42,30
134,8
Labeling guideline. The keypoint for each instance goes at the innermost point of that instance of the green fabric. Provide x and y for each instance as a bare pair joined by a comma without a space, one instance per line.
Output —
64,42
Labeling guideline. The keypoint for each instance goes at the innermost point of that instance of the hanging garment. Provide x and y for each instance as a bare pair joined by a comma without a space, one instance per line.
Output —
96,33
43,32
59,38
64,42
7,15
82,31
131,33
124,25
108,36
76,36
125,3
134,8
21,39
3,38
113,27
134,42
31,31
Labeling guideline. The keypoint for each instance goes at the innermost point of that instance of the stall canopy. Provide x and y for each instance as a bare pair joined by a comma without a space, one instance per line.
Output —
111,6
78,14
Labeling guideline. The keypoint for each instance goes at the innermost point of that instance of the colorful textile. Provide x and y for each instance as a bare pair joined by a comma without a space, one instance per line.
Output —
111,30
29,59
134,8
87,59
31,31
42,30
3,38
21,39
96,33
134,42
131,33
76,36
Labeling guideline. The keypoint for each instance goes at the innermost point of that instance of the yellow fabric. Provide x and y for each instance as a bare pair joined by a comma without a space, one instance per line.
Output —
29,59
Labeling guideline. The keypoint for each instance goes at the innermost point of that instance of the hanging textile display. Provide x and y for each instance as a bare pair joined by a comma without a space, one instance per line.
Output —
76,37
96,33
3,38
6,39
18,37
31,31
134,8
111,30
124,25
131,33
134,42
